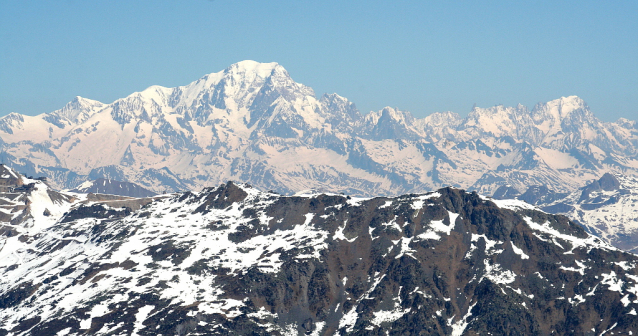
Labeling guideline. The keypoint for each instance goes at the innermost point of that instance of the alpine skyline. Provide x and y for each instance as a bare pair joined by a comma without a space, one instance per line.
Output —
421,58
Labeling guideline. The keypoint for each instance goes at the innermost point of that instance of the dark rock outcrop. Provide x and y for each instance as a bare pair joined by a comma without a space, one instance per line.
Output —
607,182
232,260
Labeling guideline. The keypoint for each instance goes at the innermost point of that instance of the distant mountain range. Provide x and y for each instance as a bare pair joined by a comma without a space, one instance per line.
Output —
252,123
607,207
112,187
108,256
233,260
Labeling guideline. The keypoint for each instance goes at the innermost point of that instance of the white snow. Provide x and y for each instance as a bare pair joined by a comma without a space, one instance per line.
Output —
513,204
611,279
349,319
202,142
339,234
581,268
420,200
575,242
498,275
437,226
384,316
405,248
459,326
519,251
141,316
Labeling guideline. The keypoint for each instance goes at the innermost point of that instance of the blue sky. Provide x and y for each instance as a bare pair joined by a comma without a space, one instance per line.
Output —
420,56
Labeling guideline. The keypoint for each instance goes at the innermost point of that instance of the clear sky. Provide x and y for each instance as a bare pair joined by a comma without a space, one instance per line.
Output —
419,56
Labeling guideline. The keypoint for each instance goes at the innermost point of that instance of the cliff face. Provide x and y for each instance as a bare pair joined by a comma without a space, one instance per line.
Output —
233,260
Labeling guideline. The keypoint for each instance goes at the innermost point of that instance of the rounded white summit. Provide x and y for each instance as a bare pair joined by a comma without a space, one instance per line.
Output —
260,69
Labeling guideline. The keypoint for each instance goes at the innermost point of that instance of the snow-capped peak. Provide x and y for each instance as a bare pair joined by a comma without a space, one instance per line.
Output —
13,116
81,101
262,70
239,84
77,110
498,120
157,93
443,119
252,122
248,73
558,109
389,113
240,73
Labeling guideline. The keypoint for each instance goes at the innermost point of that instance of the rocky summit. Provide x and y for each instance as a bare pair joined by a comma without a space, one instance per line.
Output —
253,123
233,260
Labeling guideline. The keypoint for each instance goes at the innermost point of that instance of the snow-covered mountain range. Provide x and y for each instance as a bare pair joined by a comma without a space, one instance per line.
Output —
232,260
112,187
607,207
252,123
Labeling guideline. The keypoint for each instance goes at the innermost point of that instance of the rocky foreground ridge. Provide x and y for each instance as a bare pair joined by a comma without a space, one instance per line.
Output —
234,260
253,123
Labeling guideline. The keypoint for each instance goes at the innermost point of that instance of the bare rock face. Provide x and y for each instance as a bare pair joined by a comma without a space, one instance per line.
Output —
607,182
234,260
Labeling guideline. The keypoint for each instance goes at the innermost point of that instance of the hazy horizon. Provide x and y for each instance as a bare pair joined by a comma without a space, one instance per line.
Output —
422,58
